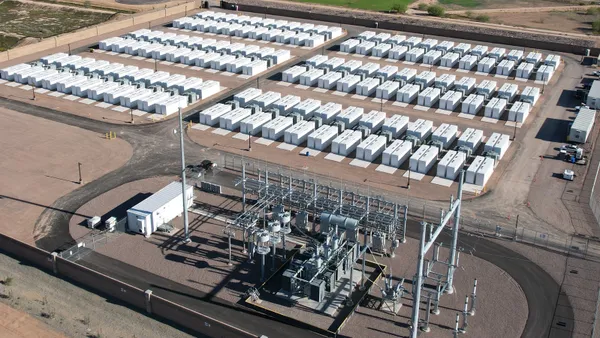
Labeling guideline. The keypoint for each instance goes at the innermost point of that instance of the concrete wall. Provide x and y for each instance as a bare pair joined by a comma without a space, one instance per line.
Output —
158,15
449,28
136,297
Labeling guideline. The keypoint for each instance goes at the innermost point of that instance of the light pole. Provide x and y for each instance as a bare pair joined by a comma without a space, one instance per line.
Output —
33,93
131,114
79,167
249,142
515,130
408,182
183,184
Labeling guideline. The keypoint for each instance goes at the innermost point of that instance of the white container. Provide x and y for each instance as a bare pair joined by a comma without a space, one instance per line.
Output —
234,47
307,107
445,82
479,51
81,89
285,37
531,95
519,112
329,80
368,69
97,93
255,67
305,27
171,81
473,168
386,72
233,119
274,129
544,73
148,104
396,153
178,55
156,77
449,60
428,44
206,59
425,79
300,39
124,72
396,39
533,58
131,100
365,47
495,108
333,32
190,84
450,100
423,159
412,41
373,120
114,95
380,37
508,91
311,77
321,138
462,48
328,112
333,63
443,163
467,62
67,60
266,100
281,55
107,44
193,58
396,125
367,86
470,139
472,104
350,116
271,34
371,148
346,142
497,143
350,66
257,33
349,46
455,165
298,133
237,65
292,75
317,60
415,55
408,93
432,57
66,85
444,46
465,85
524,70
50,83
429,97
348,83
445,134
486,88
264,51
381,50
552,60
397,52
53,57
387,90
366,35
221,62
497,53
406,75
515,55
36,79
212,115
484,172
420,129
286,103
208,88
90,67
486,65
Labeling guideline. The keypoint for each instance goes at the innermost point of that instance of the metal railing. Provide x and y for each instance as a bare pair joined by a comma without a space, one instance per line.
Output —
90,242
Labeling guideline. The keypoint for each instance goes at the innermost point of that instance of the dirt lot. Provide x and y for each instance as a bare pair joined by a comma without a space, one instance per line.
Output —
43,166
15,323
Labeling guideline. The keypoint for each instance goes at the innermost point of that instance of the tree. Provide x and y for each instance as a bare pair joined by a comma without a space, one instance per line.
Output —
400,8
436,10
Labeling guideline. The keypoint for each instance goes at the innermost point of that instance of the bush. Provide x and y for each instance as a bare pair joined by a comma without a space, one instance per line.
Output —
87,4
400,8
436,10
593,11
8,281
596,27
469,14
482,18
422,7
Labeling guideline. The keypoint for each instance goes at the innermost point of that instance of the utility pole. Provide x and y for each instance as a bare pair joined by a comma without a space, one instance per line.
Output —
155,65
408,182
515,131
453,259
33,93
249,142
183,184
79,167
131,114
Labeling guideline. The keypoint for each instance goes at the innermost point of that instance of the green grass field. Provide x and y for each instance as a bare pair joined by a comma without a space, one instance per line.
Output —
7,42
462,3
373,5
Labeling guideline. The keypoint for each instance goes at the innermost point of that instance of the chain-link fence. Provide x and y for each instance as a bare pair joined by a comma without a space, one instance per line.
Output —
91,241
419,209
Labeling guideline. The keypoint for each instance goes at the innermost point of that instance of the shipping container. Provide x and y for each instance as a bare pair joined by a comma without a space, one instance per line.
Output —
386,72
445,82
90,67
505,68
396,125
368,86
317,60
531,95
285,37
515,55
286,103
236,66
50,59
371,148
292,75
66,85
350,66
467,62
333,32
193,58
206,60
497,143
508,91
445,135
487,88
444,46
280,56
114,95
232,120
350,116
420,129
387,90
67,60
314,40
462,49
519,112
348,83
450,100
299,39
97,93
406,75
449,60
333,63
148,103
307,107
432,57
484,172
298,133
470,139
472,104
396,39
412,41
381,50
131,100
274,129
429,97
415,54
257,33
266,99
321,138
328,112
479,51
456,164
396,153
366,35
311,77
428,44
346,142
552,60
329,80
221,62
497,53
36,79
495,108
191,84
349,46
208,88
465,85
373,120
368,69
443,163
486,65
533,57
473,168
425,79
524,70
544,73
397,52
423,159
81,89
212,115
408,93
51,83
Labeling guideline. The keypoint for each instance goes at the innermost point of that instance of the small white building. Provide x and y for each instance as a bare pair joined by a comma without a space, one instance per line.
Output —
158,209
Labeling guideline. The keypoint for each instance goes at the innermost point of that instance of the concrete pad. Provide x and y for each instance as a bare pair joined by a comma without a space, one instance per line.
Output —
2,81
374,58
521,79
196,68
181,65
414,175
462,71
540,82
336,93
138,58
212,71
443,112
421,108
335,157
137,112
228,74
201,127
320,90
482,73
342,53
444,68
41,91
263,41
386,169
284,84
71,97
392,60
400,104
359,55
501,76
87,101
103,105
466,116
442,181
244,76
426,65
278,43
56,94
489,120
302,87
293,46
111,53
101,51
408,63
376,100
120,109
359,97
221,132
264,141
155,117
512,124
26,87
124,56
286,146
210,34
13,84
150,60
472,188
311,152
359,163
241,136
303,47
237,37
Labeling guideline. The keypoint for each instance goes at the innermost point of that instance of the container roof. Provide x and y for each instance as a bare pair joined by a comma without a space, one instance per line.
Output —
160,198
595,90
585,118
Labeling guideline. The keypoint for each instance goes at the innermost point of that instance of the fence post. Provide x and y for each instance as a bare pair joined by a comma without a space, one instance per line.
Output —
54,263
148,296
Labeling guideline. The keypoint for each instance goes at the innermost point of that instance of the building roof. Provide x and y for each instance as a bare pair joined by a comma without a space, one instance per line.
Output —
160,198
585,118
595,89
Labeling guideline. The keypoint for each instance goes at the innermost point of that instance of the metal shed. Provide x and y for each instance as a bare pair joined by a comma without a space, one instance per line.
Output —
582,126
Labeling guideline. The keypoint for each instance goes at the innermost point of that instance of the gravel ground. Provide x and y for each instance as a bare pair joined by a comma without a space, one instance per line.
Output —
71,310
